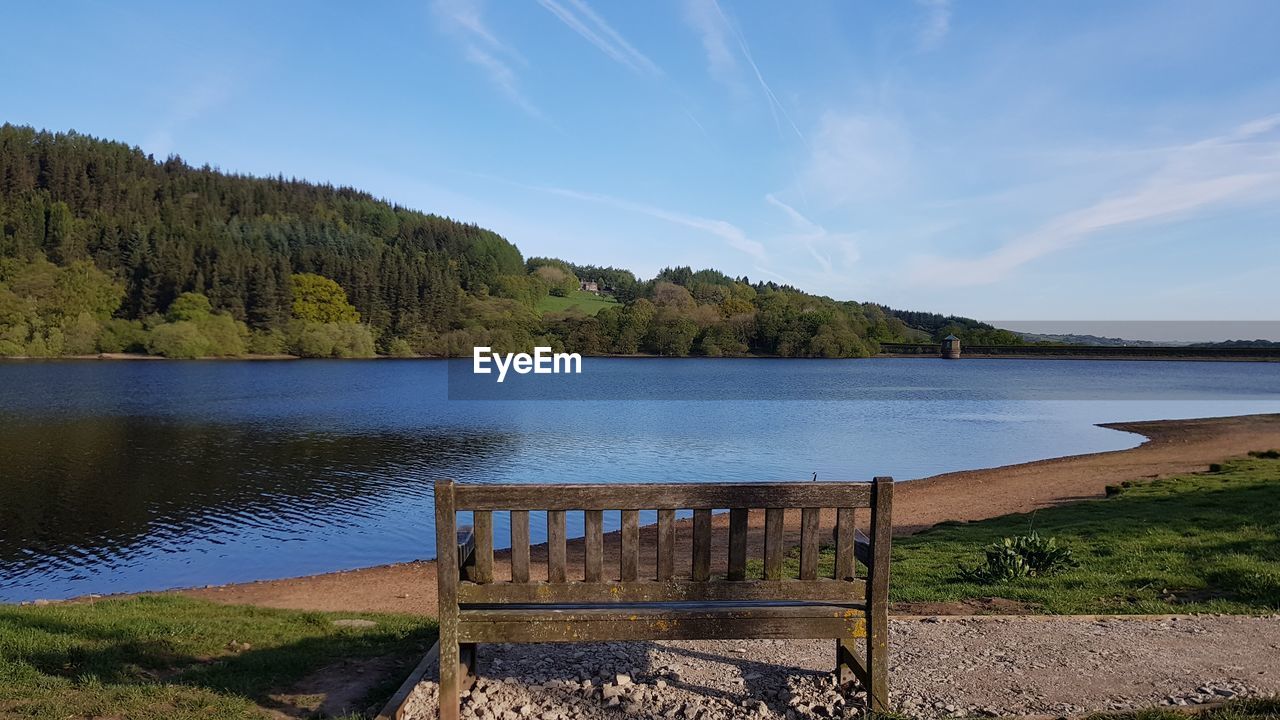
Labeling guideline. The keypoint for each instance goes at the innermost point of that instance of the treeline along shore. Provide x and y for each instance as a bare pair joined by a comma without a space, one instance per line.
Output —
107,250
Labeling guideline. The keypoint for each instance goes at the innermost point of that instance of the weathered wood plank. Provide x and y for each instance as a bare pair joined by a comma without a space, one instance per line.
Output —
482,571
447,595
774,522
666,544
849,664
669,496
701,545
628,612
862,547
629,558
878,593
555,546
809,543
609,592
520,546
593,541
737,544
466,546
718,628
844,544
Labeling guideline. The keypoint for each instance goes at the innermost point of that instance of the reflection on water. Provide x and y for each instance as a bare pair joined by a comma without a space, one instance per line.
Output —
101,492
119,477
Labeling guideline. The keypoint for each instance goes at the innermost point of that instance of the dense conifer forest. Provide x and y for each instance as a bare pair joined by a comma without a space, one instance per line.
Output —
104,248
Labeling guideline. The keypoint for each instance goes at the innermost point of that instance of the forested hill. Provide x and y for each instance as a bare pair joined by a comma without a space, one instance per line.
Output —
103,248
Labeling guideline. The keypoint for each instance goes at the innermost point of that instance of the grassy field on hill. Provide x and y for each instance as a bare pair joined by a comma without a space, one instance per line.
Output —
1198,543
169,657
588,303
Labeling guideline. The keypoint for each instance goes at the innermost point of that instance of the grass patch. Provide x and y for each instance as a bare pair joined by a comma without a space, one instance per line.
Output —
1247,709
1197,543
165,656
587,303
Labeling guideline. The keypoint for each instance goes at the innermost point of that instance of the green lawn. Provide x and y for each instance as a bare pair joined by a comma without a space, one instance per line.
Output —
1199,543
588,303
1251,709
171,657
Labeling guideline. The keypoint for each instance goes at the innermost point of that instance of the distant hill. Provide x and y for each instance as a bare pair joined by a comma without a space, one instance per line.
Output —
1240,344
970,331
1070,339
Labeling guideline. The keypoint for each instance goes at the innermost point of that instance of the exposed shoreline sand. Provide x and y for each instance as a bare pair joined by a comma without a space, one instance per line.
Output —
1173,447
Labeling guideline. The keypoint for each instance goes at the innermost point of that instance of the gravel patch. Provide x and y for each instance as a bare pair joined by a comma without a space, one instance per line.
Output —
941,667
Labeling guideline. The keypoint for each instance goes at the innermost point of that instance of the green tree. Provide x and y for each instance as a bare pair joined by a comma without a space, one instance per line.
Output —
178,340
189,306
318,299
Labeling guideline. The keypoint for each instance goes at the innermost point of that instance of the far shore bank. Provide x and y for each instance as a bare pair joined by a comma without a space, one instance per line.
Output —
1172,447
1136,357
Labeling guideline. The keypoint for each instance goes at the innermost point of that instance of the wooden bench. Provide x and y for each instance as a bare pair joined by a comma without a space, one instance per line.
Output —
665,604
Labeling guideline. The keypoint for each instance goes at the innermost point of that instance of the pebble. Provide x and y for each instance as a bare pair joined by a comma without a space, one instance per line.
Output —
943,669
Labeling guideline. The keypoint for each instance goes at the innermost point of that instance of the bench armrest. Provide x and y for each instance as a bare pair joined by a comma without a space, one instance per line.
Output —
466,547
862,547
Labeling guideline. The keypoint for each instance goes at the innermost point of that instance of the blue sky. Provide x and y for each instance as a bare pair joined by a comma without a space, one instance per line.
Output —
1003,160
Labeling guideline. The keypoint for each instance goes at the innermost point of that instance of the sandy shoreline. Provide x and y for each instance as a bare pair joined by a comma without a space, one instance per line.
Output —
1173,447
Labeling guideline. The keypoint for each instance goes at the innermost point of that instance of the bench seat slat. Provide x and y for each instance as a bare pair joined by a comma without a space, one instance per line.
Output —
579,628
523,612
607,593
660,496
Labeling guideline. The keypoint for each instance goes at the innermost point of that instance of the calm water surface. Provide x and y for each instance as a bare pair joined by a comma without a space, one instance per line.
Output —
127,476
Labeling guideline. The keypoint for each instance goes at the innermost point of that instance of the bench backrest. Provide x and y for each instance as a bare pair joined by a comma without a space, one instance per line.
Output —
845,584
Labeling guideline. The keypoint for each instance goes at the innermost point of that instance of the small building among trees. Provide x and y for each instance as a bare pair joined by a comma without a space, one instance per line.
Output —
590,286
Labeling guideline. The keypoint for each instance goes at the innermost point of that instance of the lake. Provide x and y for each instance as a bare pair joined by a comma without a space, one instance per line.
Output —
128,476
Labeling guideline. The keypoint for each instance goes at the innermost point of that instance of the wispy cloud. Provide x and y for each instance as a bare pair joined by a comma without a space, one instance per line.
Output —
1241,166
936,25
719,36
854,157
586,22
482,48
832,251
189,103
706,18
731,234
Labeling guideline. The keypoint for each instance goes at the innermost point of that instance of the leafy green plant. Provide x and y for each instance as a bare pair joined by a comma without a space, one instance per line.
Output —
1017,557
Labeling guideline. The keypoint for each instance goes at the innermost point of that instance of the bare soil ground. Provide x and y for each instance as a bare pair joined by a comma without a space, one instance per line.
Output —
1174,447
972,666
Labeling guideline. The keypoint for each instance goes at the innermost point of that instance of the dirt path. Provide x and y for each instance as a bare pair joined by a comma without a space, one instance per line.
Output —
941,668
1175,446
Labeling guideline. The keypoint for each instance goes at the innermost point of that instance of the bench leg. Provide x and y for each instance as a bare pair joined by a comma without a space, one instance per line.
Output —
466,666
461,670
450,668
850,667
878,661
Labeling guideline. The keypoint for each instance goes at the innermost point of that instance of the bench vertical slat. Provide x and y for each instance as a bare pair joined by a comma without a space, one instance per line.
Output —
447,594
701,545
593,540
520,546
666,544
555,546
809,543
844,544
483,534
629,558
774,522
737,544
878,593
